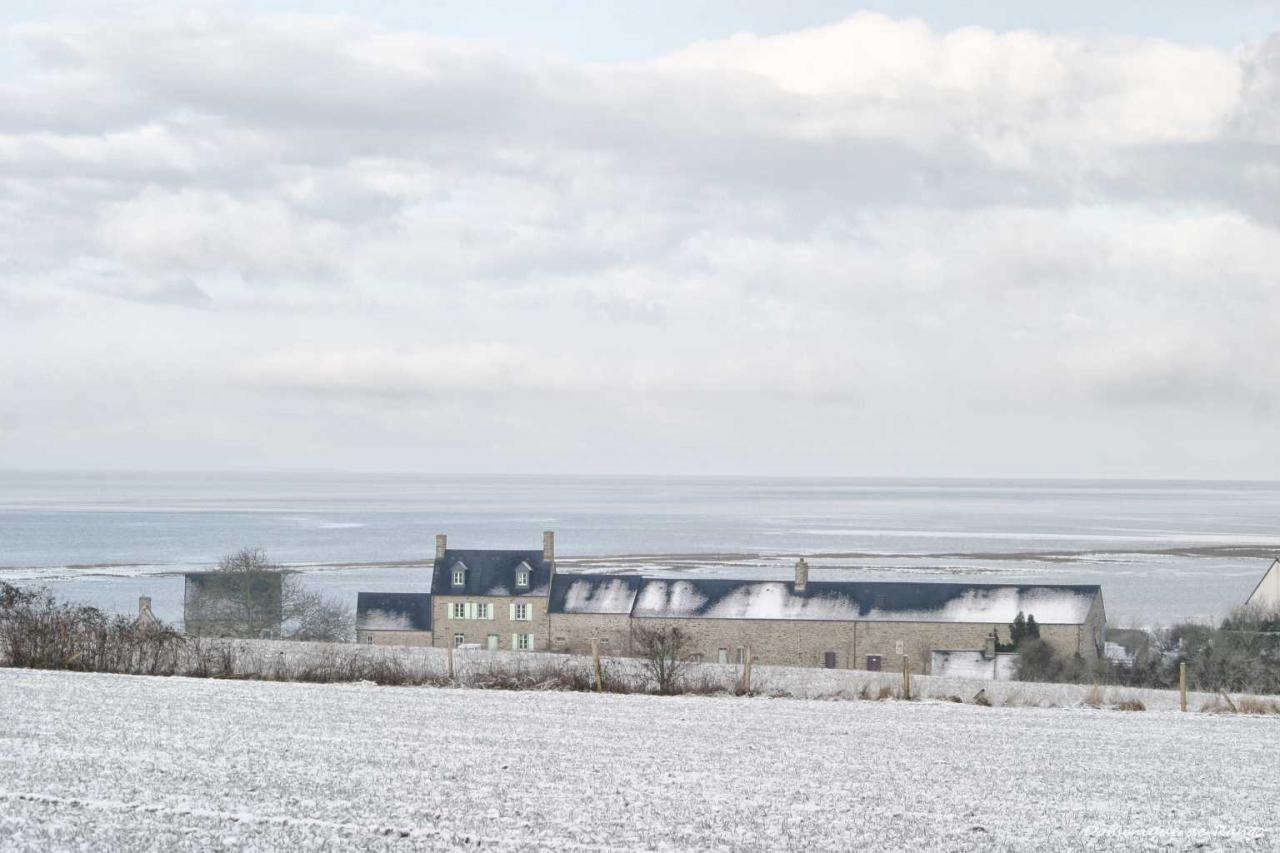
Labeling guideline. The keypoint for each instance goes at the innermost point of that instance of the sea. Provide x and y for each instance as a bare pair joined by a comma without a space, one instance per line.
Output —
1163,551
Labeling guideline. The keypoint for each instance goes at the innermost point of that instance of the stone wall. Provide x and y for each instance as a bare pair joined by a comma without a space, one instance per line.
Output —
572,632
394,638
444,626
808,643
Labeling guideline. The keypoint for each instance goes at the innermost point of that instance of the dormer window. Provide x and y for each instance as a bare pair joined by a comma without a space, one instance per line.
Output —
459,574
522,576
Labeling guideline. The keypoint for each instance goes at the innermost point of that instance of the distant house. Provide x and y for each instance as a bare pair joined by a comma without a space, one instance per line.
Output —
1266,595
393,618
232,604
516,600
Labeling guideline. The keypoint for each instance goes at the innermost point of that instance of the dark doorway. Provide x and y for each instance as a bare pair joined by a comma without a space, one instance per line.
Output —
873,663
829,660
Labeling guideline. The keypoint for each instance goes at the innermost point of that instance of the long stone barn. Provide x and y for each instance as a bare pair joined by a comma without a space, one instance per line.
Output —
516,600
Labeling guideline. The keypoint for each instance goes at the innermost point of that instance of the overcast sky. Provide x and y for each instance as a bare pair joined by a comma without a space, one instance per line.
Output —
704,238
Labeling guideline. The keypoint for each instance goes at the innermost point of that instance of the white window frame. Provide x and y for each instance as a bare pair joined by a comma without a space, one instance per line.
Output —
522,578
522,612
457,610
459,577
459,639
522,642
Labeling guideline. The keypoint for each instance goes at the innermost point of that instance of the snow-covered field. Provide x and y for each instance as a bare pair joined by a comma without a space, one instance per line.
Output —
103,762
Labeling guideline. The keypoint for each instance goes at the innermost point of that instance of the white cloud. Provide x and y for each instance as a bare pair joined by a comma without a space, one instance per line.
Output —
868,247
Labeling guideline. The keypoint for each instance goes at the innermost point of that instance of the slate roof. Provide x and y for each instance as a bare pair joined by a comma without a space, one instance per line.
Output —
491,572
718,598
393,611
594,593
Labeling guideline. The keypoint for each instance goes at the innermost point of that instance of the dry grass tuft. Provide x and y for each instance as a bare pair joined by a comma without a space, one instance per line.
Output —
1254,705
1130,704
1095,697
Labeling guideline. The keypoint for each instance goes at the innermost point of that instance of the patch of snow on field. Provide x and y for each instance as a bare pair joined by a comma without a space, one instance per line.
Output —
123,763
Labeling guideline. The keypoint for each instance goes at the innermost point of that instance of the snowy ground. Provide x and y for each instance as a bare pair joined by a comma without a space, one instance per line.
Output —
107,762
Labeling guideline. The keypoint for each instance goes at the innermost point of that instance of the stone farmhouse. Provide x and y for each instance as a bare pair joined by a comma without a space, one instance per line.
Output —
516,600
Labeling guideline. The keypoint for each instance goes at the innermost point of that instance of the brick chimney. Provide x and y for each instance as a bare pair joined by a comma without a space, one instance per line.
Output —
802,575
441,541
548,546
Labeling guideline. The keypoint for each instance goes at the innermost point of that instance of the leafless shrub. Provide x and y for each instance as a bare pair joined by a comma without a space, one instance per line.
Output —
980,698
664,652
1130,704
250,596
40,632
1094,697
886,692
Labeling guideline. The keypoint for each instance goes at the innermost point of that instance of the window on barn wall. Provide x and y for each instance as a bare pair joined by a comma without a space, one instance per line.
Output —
829,660
723,656
741,654
459,639
873,663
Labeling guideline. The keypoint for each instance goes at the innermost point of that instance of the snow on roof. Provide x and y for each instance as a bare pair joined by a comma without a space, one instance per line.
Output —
669,598
1050,606
382,620
775,600
393,611
715,598
598,595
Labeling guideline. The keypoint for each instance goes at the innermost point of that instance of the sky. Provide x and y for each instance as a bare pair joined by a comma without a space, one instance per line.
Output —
918,239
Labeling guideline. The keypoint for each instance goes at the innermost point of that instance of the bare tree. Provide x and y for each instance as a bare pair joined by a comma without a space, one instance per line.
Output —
665,655
295,612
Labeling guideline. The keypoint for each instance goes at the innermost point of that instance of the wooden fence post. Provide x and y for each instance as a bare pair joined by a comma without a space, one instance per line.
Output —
746,671
449,654
595,657
1182,684
906,677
